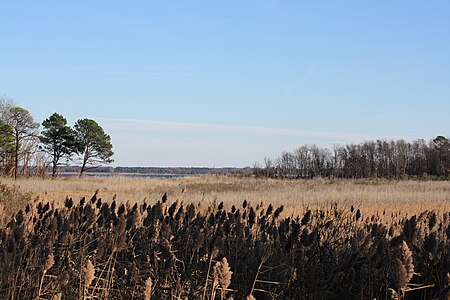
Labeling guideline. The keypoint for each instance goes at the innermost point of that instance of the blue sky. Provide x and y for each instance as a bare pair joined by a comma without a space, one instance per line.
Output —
225,83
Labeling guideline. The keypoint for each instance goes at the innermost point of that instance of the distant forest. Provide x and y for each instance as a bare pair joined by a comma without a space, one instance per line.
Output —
161,170
371,159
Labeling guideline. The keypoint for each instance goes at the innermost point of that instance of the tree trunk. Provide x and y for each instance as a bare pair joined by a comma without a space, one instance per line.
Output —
85,159
83,167
55,163
54,169
16,160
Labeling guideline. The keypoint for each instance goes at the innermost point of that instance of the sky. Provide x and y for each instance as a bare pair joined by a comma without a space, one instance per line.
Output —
227,83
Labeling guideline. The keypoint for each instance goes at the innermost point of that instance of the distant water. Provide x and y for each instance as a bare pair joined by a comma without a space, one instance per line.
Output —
128,175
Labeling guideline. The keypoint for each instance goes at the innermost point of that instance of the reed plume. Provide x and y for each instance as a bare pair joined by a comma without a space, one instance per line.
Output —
57,296
49,262
148,289
407,260
88,273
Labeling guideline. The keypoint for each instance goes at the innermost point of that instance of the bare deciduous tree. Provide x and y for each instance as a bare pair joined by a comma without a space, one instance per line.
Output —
24,132
371,159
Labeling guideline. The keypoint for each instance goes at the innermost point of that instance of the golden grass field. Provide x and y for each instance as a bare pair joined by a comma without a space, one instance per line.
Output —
371,196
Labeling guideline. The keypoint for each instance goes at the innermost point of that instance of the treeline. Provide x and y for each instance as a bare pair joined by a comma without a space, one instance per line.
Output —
371,159
176,170
162,170
25,150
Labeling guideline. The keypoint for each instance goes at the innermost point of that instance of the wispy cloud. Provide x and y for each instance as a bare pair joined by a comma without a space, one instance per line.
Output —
164,126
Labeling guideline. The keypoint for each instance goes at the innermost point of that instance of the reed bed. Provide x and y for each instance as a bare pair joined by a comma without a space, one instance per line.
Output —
375,196
93,248
217,237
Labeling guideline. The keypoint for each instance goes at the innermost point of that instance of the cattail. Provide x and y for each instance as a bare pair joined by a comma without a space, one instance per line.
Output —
250,297
49,262
89,273
148,289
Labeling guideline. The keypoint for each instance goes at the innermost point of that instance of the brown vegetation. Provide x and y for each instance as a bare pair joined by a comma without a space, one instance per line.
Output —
96,249
405,197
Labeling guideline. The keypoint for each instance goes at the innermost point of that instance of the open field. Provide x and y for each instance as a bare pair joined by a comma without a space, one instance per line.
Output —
372,196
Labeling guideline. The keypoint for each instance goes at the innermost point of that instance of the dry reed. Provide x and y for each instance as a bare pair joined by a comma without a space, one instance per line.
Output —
165,247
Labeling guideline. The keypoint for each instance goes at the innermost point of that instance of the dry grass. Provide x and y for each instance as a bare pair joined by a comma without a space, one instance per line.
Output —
372,196
91,249
314,239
